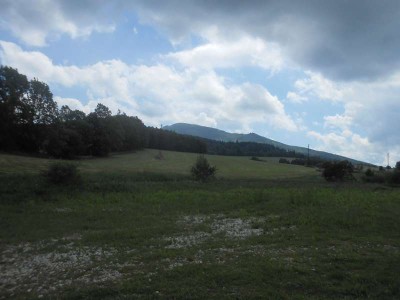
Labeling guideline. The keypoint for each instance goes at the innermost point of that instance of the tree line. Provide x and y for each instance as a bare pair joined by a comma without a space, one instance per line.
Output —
247,149
31,122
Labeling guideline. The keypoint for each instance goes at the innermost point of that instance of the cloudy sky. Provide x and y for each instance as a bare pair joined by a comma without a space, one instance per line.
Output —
324,73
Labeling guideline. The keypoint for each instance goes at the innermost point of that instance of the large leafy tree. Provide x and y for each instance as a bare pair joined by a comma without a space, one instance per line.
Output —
13,108
40,101
102,111
31,122
68,115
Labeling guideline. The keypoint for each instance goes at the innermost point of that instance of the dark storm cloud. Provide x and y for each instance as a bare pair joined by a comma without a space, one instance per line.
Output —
345,40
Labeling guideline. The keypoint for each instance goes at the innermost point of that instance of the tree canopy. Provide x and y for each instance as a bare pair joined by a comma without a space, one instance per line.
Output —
30,121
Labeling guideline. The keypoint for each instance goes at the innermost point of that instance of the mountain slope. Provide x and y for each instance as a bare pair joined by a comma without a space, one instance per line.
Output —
220,135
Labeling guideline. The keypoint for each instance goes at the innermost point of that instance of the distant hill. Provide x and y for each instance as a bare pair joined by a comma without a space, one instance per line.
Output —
220,135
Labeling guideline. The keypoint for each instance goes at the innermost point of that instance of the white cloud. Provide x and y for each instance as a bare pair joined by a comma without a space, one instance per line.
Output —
72,103
315,85
36,64
296,98
370,108
224,53
350,144
156,93
34,22
338,121
341,39
205,120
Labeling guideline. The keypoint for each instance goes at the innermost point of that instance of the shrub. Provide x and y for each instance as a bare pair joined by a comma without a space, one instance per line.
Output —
284,161
375,178
202,170
334,171
394,177
255,158
62,173
298,161
369,173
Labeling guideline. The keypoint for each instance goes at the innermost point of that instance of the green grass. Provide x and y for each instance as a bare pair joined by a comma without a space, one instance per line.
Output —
137,230
173,163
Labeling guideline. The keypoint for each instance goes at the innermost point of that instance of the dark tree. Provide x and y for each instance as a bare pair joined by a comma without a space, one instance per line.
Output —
31,122
13,109
68,115
41,104
64,143
202,170
99,141
102,111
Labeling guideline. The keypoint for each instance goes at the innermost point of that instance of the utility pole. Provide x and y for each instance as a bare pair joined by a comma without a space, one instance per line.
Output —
388,161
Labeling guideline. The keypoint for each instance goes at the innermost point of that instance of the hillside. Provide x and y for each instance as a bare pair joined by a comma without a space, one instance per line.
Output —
173,164
220,135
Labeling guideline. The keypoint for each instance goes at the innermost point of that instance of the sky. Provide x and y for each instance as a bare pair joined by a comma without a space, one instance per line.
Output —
324,73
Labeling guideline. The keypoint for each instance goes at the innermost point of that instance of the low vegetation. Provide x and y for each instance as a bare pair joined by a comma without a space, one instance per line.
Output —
284,161
338,171
388,176
62,173
202,170
128,231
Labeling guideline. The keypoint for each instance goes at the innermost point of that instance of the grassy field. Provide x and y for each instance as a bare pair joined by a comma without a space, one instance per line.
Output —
138,227
172,163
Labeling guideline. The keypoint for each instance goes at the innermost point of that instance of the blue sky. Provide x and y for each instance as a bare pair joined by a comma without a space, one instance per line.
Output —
307,72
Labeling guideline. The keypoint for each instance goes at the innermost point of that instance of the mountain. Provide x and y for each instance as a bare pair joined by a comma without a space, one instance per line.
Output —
220,135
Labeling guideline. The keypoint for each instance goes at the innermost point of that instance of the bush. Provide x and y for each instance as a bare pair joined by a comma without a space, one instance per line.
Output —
62,173
284,161
256,158
334,171
389,177
394,177
202,170
369,173
298,161
375,178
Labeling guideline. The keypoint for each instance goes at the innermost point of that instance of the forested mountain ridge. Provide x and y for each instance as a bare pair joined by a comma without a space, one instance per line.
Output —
223,136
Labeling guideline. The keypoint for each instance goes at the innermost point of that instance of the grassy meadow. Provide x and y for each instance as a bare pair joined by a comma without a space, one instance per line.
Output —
170,163
138,227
